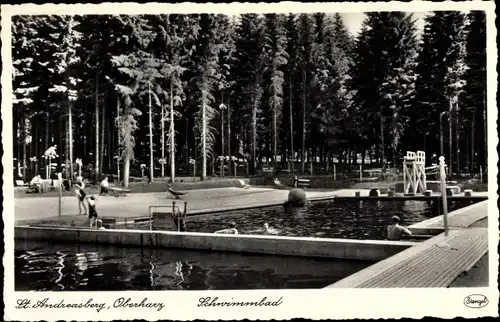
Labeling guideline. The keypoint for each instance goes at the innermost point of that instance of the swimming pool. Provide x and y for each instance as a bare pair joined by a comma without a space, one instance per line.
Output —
350,219
42,266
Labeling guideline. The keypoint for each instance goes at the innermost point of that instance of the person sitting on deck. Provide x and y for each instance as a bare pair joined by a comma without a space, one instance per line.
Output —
36,183
395,231
231,230
104,186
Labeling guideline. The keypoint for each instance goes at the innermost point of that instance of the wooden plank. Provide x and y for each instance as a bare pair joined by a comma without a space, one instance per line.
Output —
436,266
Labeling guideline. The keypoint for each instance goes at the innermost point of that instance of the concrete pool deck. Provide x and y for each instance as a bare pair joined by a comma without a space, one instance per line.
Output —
436,262
328,248
137,204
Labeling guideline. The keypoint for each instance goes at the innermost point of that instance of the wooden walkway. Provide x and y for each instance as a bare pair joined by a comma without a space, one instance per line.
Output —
436,262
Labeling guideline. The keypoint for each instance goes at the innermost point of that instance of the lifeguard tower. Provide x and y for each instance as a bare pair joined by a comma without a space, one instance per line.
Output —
414,172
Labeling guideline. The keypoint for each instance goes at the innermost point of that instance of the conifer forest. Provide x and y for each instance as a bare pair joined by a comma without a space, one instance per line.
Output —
182,93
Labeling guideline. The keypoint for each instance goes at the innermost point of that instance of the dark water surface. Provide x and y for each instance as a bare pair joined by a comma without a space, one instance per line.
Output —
350,219
41,266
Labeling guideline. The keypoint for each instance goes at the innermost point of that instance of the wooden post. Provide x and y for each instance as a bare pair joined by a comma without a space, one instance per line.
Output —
59,177
481,173
360,173
404,175
334,172
118,169
443,194
150,220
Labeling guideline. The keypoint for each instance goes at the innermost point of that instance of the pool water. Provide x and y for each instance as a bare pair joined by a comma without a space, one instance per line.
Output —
42,266
351,219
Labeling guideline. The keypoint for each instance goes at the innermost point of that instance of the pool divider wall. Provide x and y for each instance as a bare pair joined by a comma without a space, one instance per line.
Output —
366,250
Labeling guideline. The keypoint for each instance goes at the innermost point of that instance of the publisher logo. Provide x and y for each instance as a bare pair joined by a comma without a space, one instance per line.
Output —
476,301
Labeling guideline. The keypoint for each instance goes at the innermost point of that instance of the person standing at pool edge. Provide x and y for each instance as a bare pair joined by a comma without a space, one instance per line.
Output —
92,211
80,194
395,231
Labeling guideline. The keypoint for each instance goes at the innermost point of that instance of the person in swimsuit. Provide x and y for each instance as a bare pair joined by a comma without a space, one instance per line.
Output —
92,211
104,186
80,194
395,231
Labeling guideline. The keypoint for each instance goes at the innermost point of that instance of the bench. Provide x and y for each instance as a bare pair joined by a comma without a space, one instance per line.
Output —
21,183
302,183
117,192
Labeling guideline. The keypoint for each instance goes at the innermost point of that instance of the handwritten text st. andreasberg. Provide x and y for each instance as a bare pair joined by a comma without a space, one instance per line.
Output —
119,303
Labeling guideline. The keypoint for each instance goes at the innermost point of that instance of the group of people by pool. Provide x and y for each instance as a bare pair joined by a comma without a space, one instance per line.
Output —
395,231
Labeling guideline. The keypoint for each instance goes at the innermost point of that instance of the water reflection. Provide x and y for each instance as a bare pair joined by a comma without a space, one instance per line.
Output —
47,267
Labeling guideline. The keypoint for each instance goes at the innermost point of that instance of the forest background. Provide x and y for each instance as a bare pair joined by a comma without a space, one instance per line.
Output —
178,93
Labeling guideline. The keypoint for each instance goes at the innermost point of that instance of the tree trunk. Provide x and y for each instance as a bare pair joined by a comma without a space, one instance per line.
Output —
275,137
222,135
96,127
203,139
467,152
24,146
291,128
254,135
47,132
382,145
457,140
303,152
162,125
450,139
151,156
172,134
101,154
485,131
229,163
472,143
70,143
110,145
126,160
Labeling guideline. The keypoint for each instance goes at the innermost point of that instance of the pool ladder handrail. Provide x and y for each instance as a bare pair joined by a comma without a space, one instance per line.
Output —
179,215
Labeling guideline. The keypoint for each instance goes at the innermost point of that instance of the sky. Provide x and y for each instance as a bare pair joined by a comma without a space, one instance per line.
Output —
354,21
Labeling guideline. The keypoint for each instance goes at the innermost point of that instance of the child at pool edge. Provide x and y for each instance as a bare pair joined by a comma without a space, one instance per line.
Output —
92,211
395,231
94,222
231,230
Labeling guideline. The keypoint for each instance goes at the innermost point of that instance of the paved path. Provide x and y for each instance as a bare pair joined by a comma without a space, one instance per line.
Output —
136,205
436,262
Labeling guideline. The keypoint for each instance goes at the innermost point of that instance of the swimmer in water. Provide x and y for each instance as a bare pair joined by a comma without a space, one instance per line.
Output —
395,231
266,230
231,230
